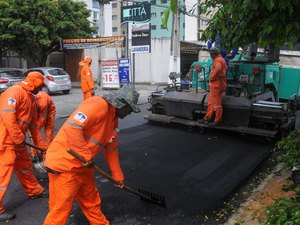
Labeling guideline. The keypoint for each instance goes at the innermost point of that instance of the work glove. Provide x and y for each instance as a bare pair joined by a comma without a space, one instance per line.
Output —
21,145
119,184
89,164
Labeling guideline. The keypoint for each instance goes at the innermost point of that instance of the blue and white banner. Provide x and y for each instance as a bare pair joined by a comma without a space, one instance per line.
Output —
124,70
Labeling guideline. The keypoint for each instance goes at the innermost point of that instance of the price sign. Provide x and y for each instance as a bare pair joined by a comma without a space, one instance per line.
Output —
110,74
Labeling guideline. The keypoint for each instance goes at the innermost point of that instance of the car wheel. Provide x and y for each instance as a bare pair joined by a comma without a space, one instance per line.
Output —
45,89
66,92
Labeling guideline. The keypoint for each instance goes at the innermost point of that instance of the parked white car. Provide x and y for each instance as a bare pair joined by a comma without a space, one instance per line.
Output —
9,77
56,79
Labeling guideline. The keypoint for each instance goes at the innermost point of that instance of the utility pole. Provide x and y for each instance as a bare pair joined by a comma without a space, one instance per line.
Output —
174,63
101,34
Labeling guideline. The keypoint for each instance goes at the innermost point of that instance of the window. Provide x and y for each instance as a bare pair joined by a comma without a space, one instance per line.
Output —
95,15
153,2
114,17
163,1
153,27
161,14
204,22
114,5
96,4
162,27
153,15
114,29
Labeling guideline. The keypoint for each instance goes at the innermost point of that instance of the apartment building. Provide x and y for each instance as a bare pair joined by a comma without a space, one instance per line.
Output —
192,24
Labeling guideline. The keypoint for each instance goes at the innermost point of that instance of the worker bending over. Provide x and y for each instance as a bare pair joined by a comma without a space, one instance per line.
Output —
46,114
86,78
46,117
217,85
93,127
18,114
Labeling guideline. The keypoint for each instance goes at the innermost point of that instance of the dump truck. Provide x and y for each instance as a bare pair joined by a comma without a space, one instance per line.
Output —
261,97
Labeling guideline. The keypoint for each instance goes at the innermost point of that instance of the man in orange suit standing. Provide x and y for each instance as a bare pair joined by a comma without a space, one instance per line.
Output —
86,78
217,85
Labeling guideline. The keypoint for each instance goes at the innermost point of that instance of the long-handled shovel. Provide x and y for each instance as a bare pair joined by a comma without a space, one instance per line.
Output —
144,195
35,147
38,163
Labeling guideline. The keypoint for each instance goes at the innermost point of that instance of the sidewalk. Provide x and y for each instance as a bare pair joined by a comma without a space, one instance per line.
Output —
144,86
144,89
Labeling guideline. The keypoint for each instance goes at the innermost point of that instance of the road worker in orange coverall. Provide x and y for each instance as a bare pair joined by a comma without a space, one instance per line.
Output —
91,128
217,84
46,116
18,114
86,77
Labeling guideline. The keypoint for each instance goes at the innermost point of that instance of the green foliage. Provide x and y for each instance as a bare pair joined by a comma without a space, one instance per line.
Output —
238,23
172,8
284,211
274,22
165,17
34,28
290,147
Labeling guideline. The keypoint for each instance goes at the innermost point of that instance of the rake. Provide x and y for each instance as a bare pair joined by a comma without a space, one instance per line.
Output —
144,195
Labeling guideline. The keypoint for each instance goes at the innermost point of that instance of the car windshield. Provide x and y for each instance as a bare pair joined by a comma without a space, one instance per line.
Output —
57,72
11,74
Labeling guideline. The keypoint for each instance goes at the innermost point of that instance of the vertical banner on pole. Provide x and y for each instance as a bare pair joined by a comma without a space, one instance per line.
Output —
124,71
110,74
141,38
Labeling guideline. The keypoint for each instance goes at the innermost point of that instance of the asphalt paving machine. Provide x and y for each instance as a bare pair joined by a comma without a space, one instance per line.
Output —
261,97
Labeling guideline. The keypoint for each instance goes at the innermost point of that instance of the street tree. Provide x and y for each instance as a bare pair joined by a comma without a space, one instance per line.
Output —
238,23
5,38
34,28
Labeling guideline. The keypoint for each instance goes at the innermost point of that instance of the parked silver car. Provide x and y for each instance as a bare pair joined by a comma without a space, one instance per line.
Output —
56,79
9,76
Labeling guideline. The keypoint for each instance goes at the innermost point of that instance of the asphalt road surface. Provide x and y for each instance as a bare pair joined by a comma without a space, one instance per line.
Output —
194,171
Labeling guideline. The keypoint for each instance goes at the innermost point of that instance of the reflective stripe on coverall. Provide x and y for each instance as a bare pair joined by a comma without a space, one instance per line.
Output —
86,78
17,114
90,129
217,83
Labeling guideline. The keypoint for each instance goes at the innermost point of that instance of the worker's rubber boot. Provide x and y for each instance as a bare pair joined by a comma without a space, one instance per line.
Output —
203,121
215,123
5,216
44,194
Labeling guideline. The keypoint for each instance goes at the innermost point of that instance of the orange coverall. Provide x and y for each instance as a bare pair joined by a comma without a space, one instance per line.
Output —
87,80
46,117
17,113
46,114
91,128
218,84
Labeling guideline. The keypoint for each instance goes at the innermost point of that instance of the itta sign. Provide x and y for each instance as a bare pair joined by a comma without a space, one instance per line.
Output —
136,13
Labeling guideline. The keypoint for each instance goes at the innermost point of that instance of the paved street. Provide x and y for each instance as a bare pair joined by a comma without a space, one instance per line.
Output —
194,171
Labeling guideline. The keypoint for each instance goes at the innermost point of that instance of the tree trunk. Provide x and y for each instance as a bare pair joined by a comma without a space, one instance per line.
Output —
41,62
273,53
1,54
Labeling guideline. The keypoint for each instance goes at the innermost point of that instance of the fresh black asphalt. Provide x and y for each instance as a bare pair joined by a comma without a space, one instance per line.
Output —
195,172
